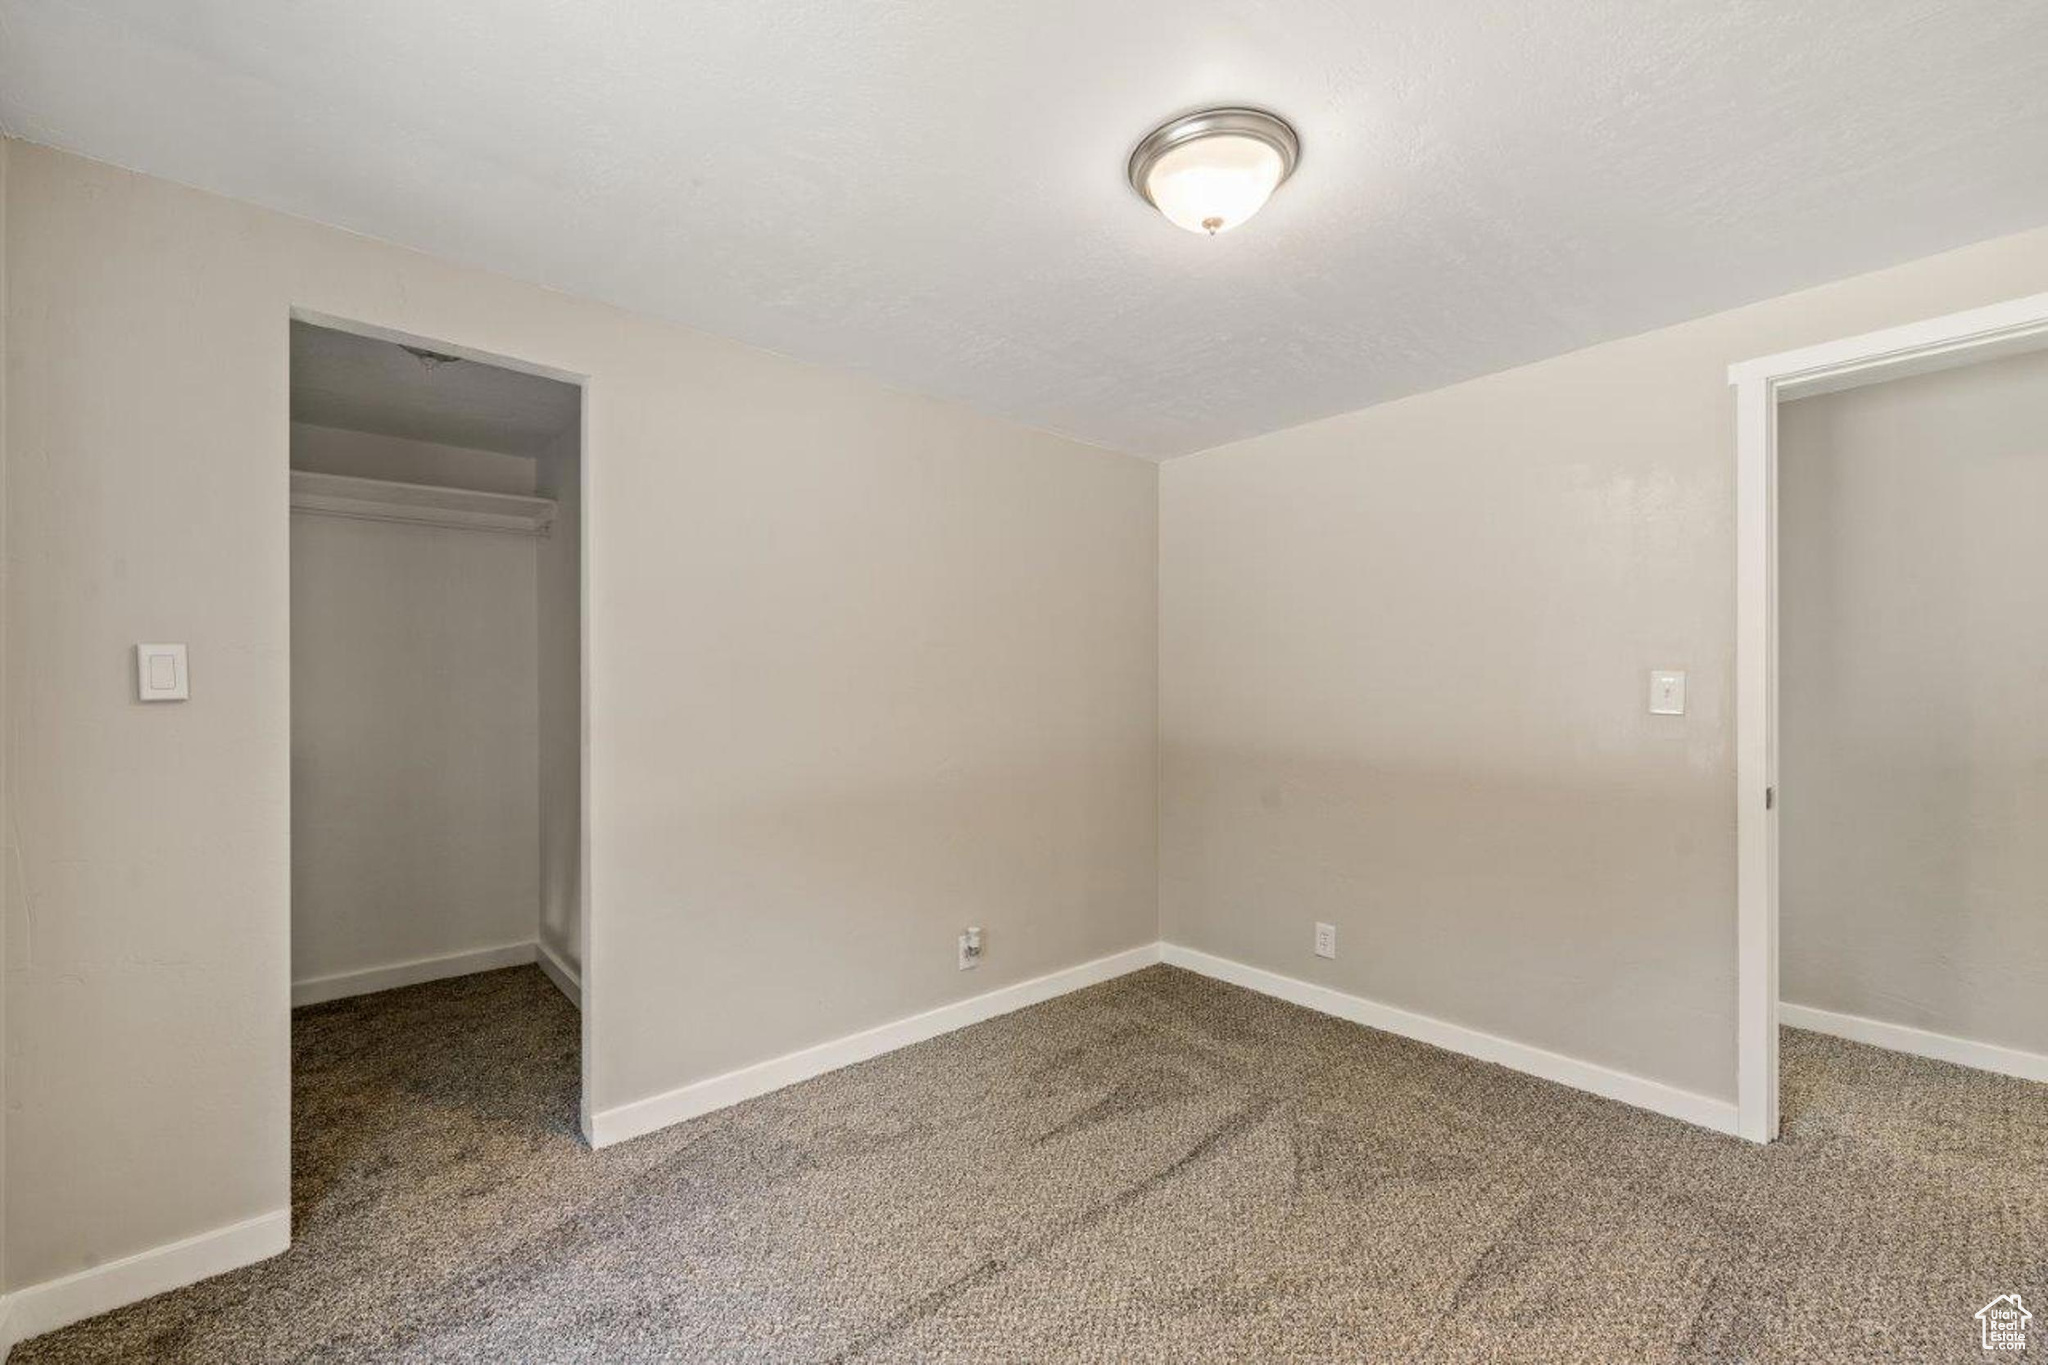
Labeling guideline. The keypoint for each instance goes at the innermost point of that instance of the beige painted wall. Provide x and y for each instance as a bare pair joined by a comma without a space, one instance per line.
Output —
863,667
415,743
1403,658
1913,687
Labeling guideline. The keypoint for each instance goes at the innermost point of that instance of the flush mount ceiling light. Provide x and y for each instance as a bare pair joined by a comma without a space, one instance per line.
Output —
1209,171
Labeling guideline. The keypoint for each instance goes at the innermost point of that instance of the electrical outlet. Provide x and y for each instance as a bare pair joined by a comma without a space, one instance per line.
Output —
970,948
1326,940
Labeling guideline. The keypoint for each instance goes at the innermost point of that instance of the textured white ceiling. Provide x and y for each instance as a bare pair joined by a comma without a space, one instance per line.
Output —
932,192
360,384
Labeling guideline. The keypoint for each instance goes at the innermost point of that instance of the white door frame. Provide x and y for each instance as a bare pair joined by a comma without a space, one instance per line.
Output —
1760,385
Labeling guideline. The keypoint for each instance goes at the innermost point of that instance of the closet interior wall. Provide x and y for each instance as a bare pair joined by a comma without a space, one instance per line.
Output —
429,708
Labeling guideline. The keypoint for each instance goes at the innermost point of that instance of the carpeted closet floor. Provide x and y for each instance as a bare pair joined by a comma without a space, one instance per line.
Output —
1160,1168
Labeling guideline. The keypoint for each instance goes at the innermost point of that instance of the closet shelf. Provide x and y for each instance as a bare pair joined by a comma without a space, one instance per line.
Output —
418,504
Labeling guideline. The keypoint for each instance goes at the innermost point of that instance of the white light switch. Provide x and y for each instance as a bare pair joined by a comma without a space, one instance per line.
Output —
1667,692
160,673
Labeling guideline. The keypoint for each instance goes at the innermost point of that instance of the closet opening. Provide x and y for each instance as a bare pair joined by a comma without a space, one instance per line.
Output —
1890,743
437,773
1913,738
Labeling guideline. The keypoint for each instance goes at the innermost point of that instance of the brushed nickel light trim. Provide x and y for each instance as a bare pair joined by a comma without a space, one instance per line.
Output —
1229,120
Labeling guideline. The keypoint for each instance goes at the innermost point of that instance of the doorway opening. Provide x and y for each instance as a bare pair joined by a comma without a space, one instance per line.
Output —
1763,387
439,931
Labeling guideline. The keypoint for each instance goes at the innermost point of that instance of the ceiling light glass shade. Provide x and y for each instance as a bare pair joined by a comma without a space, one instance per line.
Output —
1210,171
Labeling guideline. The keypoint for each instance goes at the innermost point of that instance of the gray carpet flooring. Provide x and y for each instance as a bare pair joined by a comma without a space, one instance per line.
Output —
1158,1169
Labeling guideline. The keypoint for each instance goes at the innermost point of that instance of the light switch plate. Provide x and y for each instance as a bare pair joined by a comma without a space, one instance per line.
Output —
160,673
1667,692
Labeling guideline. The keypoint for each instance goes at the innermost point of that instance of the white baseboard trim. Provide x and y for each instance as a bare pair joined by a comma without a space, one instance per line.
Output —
1655,1096
319,990
45,1307
561,973
1940,1047
609,1126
